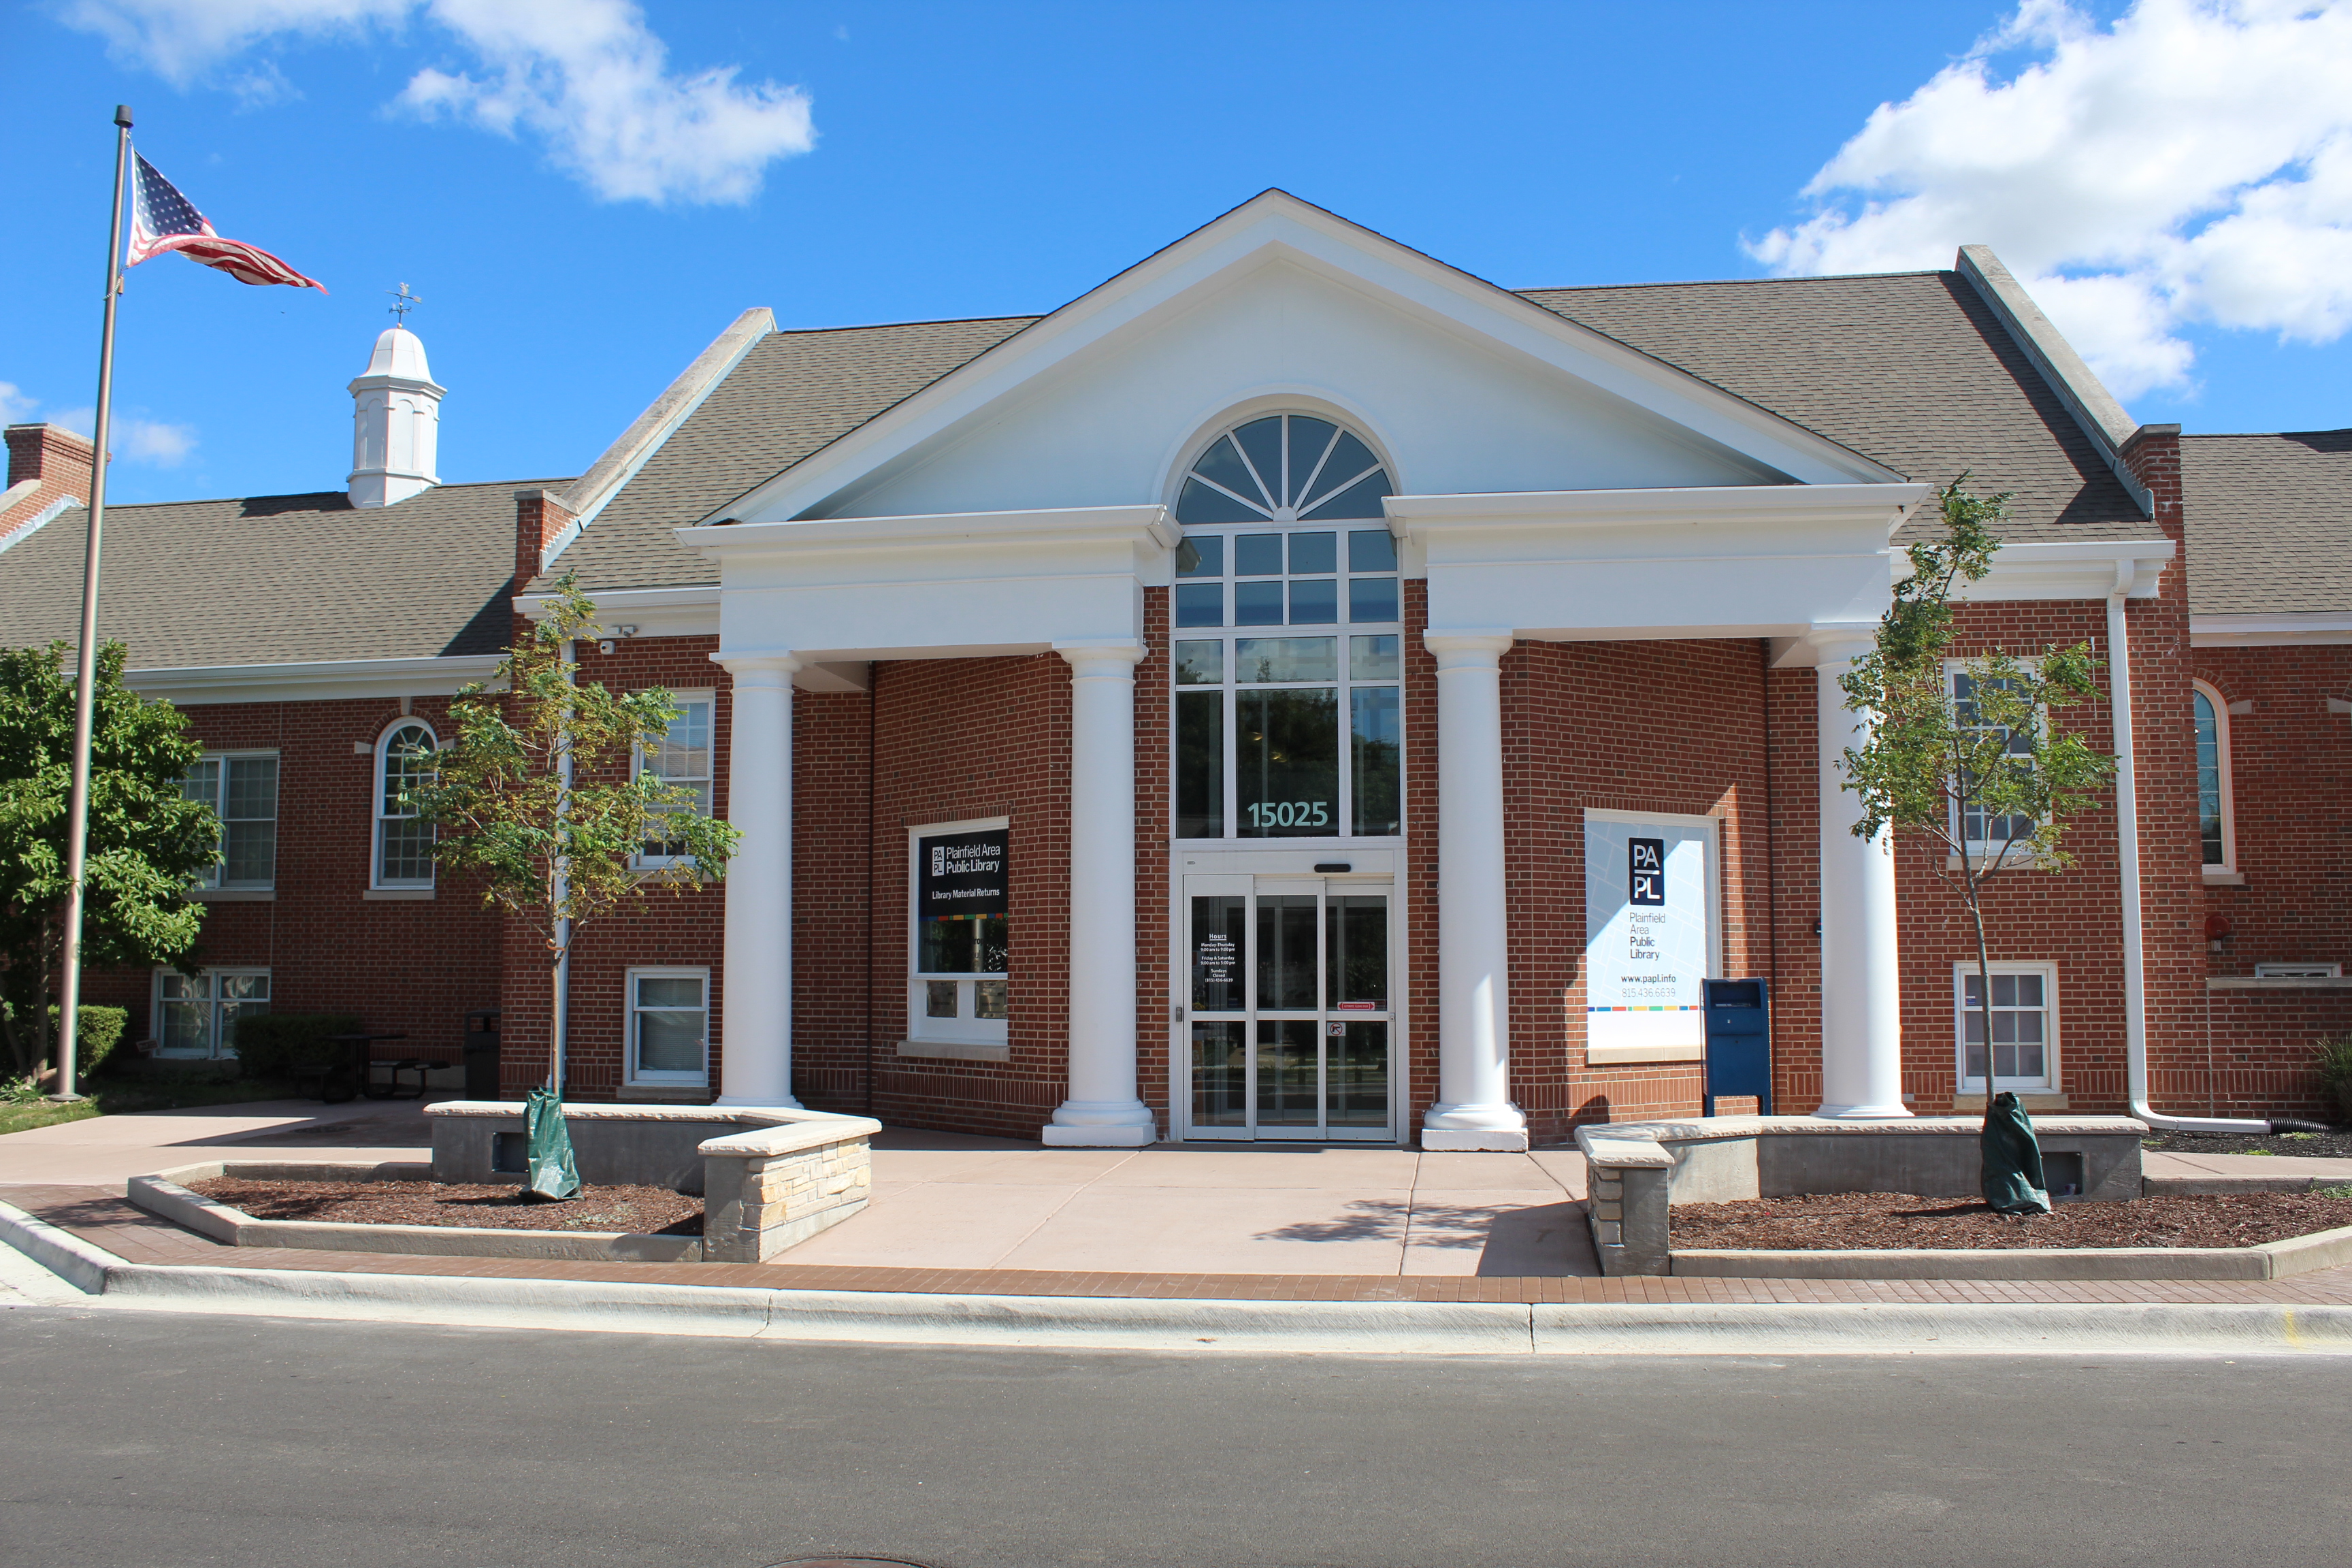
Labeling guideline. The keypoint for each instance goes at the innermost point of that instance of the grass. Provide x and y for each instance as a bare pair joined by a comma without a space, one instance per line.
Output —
113,1099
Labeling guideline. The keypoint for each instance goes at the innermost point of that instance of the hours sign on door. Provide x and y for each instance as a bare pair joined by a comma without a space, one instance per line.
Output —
1647,934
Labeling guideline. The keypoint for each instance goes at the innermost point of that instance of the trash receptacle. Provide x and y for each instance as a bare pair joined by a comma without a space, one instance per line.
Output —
482,1054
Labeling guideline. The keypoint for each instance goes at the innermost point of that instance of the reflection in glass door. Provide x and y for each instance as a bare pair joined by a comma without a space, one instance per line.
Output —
1288,1024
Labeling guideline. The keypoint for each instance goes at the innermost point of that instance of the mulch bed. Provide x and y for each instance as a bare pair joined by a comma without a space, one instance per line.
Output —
630,1210
2335,1145
1833,1222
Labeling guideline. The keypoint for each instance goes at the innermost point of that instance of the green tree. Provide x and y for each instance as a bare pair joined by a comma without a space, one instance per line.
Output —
1963,751
148,843
536,794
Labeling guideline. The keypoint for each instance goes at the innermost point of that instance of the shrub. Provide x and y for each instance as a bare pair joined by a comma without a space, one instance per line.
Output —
2335,1071
97,1030
279,1045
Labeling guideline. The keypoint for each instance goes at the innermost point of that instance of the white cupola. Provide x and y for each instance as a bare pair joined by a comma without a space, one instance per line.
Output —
395,423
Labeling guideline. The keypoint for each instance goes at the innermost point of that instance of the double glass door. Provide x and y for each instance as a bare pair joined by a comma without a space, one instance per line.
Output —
1287,1029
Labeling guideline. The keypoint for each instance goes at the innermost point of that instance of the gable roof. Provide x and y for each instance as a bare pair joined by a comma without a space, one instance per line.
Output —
2269,522
1911,371
279,579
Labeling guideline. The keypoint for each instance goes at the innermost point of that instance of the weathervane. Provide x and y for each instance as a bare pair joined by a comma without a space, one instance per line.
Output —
402,302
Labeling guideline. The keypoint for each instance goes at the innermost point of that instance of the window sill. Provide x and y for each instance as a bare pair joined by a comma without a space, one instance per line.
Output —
2223,876
235,895
398,895
959,1050
666,1093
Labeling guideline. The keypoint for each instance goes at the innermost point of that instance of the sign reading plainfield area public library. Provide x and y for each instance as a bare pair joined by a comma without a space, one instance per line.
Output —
1648,933
962,874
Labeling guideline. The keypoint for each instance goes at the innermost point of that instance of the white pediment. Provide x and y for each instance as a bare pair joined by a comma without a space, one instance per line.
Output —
1465,387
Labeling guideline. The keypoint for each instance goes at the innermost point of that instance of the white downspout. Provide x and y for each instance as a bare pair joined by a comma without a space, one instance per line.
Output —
2127,865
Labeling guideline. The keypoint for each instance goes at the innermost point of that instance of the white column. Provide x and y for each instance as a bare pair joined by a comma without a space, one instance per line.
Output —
1102,1110
1474,1109
756,1021
1862,978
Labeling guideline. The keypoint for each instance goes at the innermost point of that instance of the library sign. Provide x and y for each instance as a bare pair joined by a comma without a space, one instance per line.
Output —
962,874
1646,934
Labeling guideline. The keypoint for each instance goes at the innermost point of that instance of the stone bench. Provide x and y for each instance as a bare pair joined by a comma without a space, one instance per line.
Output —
1639,1170
770,1179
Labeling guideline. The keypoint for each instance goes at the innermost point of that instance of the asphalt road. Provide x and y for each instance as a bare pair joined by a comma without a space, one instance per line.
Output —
142,1439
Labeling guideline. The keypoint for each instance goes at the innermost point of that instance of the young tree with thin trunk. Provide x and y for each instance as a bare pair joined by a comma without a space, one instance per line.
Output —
149,842
1962,751
537,795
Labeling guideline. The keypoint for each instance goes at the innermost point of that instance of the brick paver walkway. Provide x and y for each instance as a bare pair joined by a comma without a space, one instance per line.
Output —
107,1220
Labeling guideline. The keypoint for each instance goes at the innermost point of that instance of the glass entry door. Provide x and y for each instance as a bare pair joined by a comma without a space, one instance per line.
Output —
1288,1028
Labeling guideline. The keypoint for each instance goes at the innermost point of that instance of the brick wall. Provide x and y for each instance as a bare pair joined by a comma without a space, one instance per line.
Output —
56,459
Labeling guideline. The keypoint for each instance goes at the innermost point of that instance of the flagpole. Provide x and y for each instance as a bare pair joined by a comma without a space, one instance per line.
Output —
86,680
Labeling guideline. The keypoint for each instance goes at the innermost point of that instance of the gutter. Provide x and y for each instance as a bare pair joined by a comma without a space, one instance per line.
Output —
2127,865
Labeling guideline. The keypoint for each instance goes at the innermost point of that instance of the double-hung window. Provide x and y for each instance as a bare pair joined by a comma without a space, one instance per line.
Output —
669,1026
1988,833
196,1015
680,757
403,840
2216,830
2024,1045
1288,658
242,789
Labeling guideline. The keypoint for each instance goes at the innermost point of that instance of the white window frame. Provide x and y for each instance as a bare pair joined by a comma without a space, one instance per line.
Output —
967,1027
2305,970
709,698
1977,848
213,880
2228,869
633,1073
211,1001
377,816
1963,971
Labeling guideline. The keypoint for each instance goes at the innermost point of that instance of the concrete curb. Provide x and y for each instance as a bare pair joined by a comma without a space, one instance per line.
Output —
1352,1328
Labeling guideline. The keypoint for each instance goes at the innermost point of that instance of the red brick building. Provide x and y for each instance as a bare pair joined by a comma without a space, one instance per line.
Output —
1295,691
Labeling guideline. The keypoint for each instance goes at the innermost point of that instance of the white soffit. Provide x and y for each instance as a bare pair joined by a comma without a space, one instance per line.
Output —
1277,226
194,685
2269,631
2065,569
654,612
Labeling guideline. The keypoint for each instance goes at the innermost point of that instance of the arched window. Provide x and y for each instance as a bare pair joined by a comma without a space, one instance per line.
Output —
404,844
1288,647
2214,825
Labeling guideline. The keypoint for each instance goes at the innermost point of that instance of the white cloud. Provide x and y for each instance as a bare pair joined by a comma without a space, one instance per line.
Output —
2192,162
587,77
134,439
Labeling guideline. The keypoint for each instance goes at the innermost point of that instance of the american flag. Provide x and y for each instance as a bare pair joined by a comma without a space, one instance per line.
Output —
162,219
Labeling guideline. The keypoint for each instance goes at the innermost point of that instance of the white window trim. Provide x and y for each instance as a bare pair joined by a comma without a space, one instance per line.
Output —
1965,970
2226,872
211,975
215,885
2313,970
2015,859
629,1010
641,860
377,881
993,1034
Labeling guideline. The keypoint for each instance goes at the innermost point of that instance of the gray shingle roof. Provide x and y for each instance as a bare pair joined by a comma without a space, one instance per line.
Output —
278,579
790,395
1910,369
2269,522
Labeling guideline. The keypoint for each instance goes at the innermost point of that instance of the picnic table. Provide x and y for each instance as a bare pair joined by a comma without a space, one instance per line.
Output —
356,1076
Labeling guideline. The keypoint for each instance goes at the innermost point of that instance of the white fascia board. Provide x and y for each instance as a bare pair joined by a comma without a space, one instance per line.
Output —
323,681
1134,525
1277,225
654,611
2269,631
1882,506
2065,570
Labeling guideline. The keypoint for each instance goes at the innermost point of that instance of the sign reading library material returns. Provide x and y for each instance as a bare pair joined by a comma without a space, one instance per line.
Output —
1646,936
962,874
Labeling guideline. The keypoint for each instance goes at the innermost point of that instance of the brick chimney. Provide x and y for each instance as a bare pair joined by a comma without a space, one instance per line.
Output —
45,463
540,517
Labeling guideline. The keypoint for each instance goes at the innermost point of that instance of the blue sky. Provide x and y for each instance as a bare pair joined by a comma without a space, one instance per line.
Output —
973,161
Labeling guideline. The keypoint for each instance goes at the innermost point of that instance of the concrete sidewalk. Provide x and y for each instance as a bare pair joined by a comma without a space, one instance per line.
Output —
107,1151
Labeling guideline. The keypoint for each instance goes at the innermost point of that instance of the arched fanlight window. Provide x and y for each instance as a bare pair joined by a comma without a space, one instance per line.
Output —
1284,467
404,843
